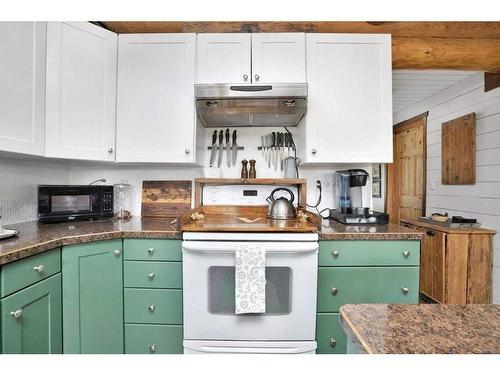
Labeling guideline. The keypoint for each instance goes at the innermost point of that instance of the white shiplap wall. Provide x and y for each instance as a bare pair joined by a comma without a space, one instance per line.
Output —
482,200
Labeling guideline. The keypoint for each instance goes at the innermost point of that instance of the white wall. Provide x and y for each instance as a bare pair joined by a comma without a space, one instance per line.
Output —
482,200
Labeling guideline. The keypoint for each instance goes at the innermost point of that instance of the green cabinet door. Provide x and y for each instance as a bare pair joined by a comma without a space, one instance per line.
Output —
31,319
330,336
93,297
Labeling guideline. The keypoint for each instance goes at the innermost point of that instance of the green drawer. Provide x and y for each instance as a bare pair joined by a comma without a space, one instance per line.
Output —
152,274
153,339
144,249
365,285
369,253
18,275
330,336
160,306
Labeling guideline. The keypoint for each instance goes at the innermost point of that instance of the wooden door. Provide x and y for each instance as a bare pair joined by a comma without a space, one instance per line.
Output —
349,115
93,298
22,88
438,256
31,319
224,58
406,175
278,57
156,113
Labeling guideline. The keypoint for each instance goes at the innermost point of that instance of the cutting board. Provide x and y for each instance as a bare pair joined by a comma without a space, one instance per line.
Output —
165,198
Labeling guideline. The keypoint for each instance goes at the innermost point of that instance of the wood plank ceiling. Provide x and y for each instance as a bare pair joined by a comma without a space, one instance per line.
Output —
415,45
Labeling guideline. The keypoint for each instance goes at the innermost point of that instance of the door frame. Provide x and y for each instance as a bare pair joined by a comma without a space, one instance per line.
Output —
392,188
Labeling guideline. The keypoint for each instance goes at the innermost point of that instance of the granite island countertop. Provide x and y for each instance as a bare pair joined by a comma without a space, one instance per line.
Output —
35,238
422,329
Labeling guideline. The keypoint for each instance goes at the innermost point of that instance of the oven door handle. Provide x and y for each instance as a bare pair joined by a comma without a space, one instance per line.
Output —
211,248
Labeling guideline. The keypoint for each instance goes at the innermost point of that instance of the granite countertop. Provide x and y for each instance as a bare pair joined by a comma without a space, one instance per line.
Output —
422,329
332,230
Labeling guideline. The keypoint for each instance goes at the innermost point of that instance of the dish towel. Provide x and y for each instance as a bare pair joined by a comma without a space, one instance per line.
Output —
250,279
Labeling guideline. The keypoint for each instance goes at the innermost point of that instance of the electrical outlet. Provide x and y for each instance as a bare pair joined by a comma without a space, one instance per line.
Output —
433,185
326,182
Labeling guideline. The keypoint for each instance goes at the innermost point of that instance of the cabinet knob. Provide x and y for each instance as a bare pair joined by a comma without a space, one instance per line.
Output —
16,314
110,150
257,77
405,290
314,151
151,308
406,253
117,252
151,251
152,348
333,342
334,291
187,150
335,254
151,276
40,268
245,77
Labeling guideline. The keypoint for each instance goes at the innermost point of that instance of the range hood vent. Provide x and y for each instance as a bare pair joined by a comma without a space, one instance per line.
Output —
277,105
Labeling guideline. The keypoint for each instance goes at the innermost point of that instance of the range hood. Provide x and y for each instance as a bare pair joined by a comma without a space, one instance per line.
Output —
224,105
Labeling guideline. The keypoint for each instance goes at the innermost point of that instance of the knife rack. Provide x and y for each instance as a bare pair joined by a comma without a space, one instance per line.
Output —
276,147
225,148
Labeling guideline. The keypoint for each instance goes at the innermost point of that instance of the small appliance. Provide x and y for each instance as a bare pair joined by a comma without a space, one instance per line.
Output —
281,208
349,199
58,203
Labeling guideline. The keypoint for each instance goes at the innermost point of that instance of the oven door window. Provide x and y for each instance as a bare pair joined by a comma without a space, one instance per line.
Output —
221,292
71,203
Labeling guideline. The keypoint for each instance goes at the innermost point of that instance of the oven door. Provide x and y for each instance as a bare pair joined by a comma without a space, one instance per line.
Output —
209,298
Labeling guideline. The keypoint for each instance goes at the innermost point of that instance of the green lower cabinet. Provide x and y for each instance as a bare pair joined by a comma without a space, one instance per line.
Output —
159,306
330,336
93,298
153,338
31,319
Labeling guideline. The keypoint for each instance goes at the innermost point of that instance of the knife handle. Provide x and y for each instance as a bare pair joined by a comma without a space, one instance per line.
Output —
221,137
214,138
274,139
227,135
234,137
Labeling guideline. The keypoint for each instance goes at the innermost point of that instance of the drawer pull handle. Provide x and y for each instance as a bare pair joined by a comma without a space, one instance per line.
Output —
151,308
151,276
17,314
117,252
151,251
405,290
431,233
40,268
335,254
334,291
406,253
152,348
333,342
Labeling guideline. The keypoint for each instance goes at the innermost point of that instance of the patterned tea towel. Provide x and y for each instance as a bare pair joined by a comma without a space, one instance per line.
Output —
250,279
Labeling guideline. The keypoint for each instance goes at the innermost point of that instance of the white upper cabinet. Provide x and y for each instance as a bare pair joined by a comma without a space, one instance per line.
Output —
22,87
224,58
278,57
349,115
81,91
156,113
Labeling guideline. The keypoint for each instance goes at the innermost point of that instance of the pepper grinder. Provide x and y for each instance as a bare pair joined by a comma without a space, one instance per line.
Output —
244,170
252,173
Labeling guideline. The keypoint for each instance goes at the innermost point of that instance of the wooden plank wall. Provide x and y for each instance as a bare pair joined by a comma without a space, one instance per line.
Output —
481,200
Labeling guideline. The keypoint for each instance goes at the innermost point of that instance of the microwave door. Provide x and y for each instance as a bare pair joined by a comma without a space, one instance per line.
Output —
71,204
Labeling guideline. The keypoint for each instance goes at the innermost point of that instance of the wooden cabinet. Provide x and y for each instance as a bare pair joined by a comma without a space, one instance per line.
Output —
93,298
251,58
156,113
455,264
22,88
81,91
349,115
31,319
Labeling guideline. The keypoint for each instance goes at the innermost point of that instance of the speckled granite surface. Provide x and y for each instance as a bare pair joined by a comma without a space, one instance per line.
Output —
332,230
422,329
35,238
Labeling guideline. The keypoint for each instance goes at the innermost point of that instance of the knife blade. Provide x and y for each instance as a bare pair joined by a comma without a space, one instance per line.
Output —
234,147
214,148
228,148
221,148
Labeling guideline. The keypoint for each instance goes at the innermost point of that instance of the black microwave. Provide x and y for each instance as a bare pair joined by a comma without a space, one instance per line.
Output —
74,202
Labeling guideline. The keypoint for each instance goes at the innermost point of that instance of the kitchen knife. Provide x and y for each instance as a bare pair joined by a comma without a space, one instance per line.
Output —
228,148
263,145
273,149
221,148
214,148
282,150
235,147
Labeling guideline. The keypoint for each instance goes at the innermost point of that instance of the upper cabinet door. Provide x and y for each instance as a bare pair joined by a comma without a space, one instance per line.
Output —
22,87
156,113
349,115
224,58
278,58
81,91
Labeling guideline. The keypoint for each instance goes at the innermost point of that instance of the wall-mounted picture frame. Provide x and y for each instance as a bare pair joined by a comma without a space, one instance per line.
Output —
377,189
377,172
